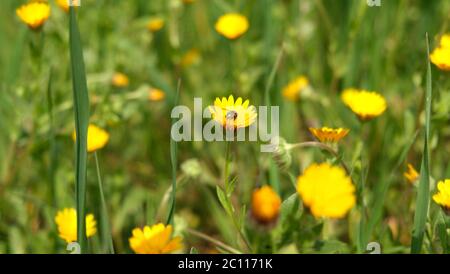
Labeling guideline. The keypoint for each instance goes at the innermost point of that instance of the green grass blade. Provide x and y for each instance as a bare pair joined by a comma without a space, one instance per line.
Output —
173,160
81,109
423,193
52,142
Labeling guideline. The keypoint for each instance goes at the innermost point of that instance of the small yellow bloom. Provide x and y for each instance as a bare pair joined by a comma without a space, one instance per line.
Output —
154,240
294,88
155,24
232,25
34,14
442,198
326,190
189,58
411,174
155,95
265,205
233,114
441,55
365,104
66,220
97,138
64,4
120,80
329,135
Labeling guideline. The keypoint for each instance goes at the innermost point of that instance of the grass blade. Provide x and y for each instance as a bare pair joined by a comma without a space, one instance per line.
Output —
423,193
81,110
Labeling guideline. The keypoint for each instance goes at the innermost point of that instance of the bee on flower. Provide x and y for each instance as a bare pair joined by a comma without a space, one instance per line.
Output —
233,114
326,190
293,90
66,220
156,239
232,25
365,104
441,55
34,14
265,205
329,135
442,197
97,138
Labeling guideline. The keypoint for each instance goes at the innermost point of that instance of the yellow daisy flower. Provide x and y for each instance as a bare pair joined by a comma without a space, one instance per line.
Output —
441,55
34,14
155,24
365,104
155,95
265,205
232,25
233,114
120,80
329,135
97,138
66,220
294,88
442,198
154,240
411,174
326,190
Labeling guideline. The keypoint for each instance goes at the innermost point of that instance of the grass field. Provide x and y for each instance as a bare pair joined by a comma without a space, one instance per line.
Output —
120,67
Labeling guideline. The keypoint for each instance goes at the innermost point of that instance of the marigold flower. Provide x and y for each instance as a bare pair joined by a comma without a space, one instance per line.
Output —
232,25
120,80
233,114
326,190
34,14
155,24
442,198
265,205
97,138
155,95
365,104
154,240
329,135
441,55
66,220
411,174
294,88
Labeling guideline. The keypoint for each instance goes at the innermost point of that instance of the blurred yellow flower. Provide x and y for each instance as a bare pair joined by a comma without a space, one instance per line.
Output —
97,138
265,205
329,135
232,25
66,220
365,104
233,114
326,190
441,55
155,94
189,58
294,88
154,240
64,4
120,80
442,198
155,24
34,14
411,174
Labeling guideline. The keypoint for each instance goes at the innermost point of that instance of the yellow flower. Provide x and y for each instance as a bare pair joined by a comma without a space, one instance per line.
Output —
293,89
329,135
441,55
232,25
155,24
326,190
66,220
154,240
442,198
265,205
65,5
155,94
120,80
365,104
189,58
34,14
233,114
411,174
97,138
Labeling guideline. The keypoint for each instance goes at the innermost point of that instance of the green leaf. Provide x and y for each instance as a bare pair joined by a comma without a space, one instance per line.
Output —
81,109
423,193
224,201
